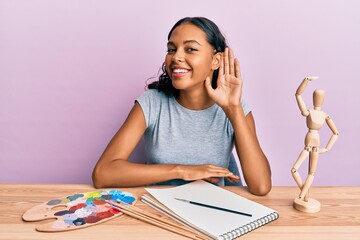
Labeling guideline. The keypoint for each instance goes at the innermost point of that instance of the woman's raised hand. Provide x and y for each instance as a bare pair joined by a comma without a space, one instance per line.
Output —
229,83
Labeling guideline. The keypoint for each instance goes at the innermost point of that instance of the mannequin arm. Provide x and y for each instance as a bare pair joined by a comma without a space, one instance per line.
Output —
299,99
335,135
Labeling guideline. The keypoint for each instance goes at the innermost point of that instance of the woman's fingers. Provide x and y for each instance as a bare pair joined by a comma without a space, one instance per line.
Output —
212,180
224,172
237,69
231,61
226,61
221,68
208,171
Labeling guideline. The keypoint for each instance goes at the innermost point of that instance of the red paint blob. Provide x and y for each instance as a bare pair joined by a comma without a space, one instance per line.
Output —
114,211
76,207
106,214
92,219
99,202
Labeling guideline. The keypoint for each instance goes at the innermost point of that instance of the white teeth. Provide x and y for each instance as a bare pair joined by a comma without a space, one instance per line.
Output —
179,70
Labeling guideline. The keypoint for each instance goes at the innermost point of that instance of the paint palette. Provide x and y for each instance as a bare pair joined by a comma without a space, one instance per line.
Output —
78,211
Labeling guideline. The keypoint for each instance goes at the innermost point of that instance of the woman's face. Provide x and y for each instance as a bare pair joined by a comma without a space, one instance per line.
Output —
190,58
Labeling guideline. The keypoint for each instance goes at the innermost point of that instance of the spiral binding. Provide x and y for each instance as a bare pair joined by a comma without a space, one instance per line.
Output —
249,227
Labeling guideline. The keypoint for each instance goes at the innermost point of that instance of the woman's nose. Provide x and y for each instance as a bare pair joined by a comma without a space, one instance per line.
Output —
178,56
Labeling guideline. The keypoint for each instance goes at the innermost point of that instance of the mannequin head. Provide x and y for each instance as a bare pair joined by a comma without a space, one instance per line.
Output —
318,98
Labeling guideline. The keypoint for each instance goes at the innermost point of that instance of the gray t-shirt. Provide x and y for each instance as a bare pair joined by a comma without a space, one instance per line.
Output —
177,135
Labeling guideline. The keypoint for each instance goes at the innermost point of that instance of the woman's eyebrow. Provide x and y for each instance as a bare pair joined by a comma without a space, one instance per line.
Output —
170,44
191,41
184,42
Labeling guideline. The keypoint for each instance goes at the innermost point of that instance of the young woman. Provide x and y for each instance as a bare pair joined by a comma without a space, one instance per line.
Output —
190,118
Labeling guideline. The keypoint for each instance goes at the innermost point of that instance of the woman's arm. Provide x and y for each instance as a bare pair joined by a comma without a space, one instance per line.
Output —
254,164
114,170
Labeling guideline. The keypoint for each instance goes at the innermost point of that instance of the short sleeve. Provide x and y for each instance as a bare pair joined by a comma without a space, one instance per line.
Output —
147,103
245,107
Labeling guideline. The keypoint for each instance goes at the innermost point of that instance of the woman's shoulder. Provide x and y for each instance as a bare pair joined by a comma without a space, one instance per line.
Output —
152,102
154,94
153,98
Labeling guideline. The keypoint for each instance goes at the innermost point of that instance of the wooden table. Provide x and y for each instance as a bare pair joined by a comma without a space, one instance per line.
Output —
339,217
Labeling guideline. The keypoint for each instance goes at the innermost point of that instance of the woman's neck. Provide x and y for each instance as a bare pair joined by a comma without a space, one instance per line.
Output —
195,100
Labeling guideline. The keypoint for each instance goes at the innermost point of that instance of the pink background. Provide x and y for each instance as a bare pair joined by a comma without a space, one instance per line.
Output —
71,70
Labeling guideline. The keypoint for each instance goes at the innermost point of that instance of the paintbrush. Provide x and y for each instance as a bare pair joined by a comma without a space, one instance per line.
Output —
154,220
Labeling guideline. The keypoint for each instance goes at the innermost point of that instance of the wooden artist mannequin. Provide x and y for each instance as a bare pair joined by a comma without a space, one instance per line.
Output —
315,119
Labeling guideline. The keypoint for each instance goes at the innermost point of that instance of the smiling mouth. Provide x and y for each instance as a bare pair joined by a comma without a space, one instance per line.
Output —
178,72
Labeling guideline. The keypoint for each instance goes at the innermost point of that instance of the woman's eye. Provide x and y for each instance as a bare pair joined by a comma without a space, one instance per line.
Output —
191,49
170,50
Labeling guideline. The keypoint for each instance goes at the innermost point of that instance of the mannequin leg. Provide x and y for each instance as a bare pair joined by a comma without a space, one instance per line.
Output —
312,169
306,198
303,203
294,171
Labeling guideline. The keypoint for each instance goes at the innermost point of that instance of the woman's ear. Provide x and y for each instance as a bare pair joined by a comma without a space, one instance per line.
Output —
216,61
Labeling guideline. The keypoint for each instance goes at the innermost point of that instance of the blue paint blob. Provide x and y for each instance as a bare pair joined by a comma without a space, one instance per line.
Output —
88,206
75,196
79,222
122,196
61,213
115,194
127,199
106,197
54,202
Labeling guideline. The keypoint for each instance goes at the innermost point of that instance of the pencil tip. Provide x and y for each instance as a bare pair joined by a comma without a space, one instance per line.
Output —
183,200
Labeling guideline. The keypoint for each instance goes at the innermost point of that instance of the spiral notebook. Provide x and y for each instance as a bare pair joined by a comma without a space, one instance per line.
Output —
214,223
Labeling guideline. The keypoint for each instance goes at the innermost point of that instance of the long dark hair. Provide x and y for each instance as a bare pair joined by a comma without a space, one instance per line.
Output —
214,37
